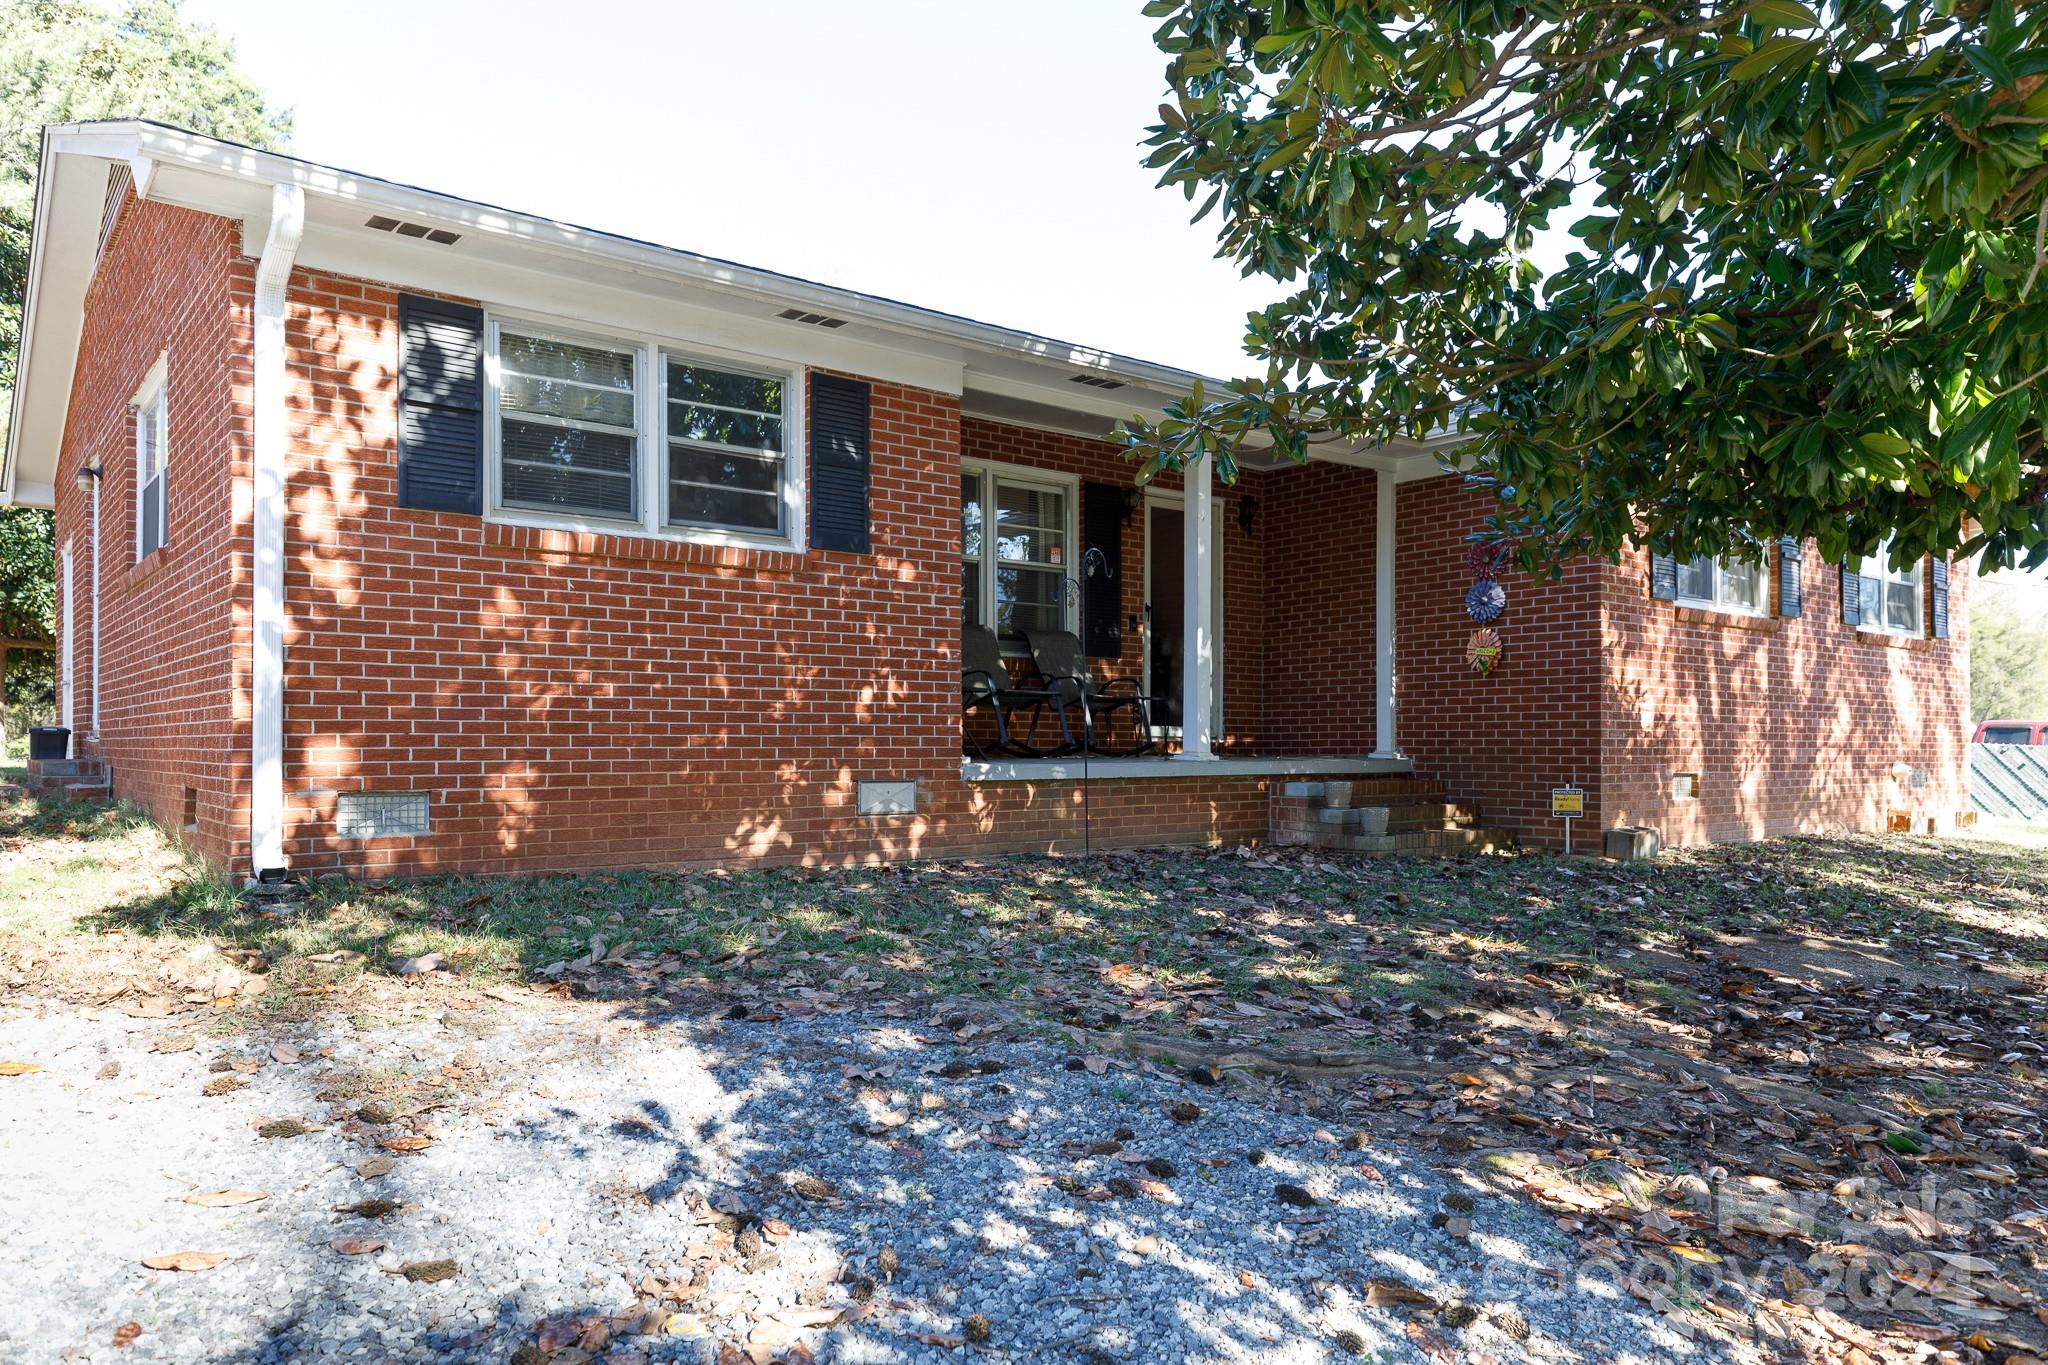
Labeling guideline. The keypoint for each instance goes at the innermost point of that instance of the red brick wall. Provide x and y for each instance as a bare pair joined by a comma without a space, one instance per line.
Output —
166,716
1502,739
1791,724
1318,524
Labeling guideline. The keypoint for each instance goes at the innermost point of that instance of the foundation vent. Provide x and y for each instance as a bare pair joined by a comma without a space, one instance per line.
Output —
382,815
440,236
1096,381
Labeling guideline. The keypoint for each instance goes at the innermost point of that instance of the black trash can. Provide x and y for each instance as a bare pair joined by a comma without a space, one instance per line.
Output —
48,742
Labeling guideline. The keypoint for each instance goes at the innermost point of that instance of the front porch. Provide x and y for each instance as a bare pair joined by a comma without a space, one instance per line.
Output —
1256,620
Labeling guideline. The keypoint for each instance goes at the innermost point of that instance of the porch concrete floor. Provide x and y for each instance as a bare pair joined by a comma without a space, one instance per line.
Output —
1173,766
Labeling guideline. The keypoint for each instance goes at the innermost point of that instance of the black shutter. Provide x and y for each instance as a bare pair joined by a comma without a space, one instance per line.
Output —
839,464
1939,597
1791,592
1102,606
1852,595
440,405
1663,578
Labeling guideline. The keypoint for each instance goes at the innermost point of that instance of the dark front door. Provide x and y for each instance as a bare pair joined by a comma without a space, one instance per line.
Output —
1166,614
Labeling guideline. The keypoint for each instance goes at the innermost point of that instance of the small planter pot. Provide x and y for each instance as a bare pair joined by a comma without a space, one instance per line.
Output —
1337,795
48,742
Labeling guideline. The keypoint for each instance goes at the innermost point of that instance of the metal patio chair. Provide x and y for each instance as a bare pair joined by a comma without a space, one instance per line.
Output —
1065,672
985,685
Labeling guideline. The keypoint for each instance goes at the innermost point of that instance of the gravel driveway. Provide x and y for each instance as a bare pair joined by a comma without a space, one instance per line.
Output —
627,1189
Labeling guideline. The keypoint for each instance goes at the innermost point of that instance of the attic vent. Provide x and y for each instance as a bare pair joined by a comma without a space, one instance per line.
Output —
381,815
440,236
810,319
1096,381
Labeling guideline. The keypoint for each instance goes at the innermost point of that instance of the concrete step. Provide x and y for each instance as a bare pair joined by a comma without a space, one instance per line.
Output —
1365,790
1391,817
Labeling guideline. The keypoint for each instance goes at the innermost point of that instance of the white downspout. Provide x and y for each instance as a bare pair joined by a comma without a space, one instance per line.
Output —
1387,743
267,469
96,483
67,612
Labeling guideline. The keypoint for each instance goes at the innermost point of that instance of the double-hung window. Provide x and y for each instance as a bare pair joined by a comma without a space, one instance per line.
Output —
152,455
568,426
599,430
1725,583
1892,600
1015,536
726,448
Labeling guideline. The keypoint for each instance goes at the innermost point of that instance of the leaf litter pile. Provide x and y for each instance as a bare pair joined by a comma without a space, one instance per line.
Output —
1791,1090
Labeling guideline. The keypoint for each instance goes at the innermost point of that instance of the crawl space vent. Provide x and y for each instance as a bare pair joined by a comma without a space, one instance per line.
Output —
1096,381
810,319
381,815
442,236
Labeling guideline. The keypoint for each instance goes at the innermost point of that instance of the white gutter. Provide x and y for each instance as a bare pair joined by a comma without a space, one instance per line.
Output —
267,468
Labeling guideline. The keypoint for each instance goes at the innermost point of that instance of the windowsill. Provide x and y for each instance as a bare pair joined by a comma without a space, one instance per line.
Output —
1891,639
146,568
633,530
1725,619
623,544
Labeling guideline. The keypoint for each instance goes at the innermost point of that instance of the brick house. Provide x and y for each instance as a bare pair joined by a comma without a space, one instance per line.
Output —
401,533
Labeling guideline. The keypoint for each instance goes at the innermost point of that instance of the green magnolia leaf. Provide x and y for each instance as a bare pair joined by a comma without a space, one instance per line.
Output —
1784,14
1775,53
1884,443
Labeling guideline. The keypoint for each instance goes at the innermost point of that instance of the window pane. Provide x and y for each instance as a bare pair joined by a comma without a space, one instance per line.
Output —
571,402
1742,585
970,594
744,429
602,367
689,504
1030,524
551,468
720,488
970,515
1027,599
1696,579
696,384
2009,734
1902,607
724,469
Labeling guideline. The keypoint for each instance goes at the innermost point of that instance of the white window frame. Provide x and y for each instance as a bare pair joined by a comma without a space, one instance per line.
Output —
652,352
1878,566
1068,486
1722,600
151,406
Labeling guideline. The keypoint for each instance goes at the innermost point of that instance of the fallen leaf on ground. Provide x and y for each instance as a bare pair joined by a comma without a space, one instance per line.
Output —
125,1334
185,1260
17,1068
284,1054
406,1144
224,1199
426,1272
418,966
356,1246
370,1167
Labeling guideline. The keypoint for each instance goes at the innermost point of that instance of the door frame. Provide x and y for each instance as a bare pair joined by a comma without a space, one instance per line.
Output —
1159,497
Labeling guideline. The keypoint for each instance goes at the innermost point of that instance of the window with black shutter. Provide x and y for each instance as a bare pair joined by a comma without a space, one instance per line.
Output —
1791,590
440,405
840,454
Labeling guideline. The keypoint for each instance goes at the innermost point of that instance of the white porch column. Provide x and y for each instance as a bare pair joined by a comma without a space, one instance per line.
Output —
1386,739
1198,669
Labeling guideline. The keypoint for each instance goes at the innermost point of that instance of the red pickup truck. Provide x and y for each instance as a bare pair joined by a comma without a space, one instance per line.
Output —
2012,732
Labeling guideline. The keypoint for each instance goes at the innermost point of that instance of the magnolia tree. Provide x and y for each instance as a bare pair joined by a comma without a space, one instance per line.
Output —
1689,275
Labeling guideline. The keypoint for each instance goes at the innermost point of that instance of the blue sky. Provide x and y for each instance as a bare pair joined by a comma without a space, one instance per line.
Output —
959,154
